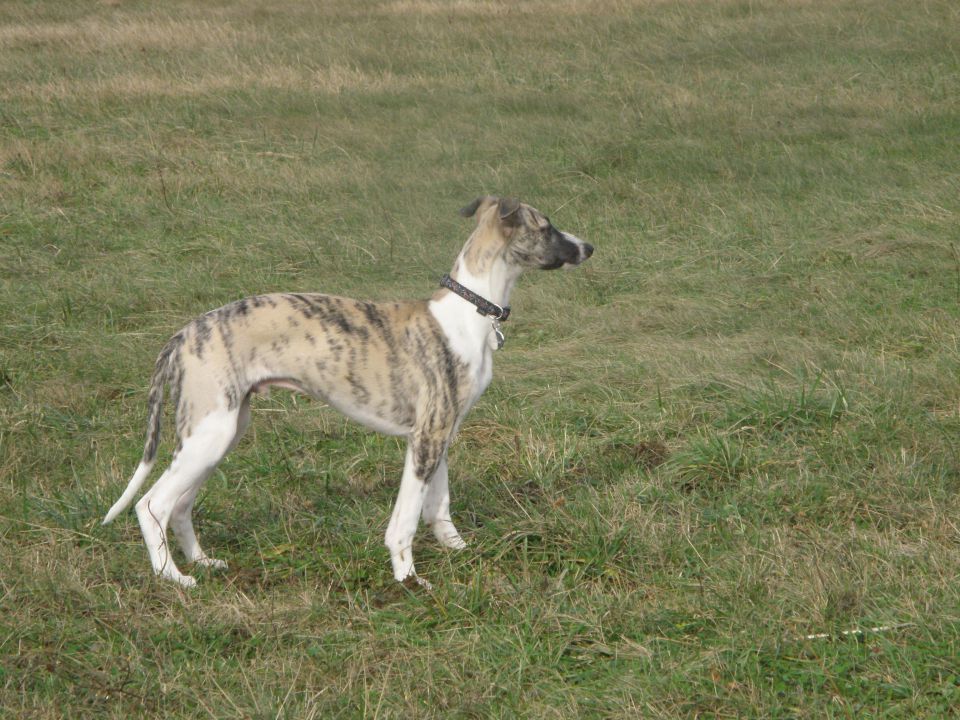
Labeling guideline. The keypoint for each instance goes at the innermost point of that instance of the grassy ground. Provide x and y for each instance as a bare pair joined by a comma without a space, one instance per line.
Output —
737,426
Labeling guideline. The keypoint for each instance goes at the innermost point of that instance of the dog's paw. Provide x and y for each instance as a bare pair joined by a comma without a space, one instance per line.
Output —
211,563
454,543
449,537
174,575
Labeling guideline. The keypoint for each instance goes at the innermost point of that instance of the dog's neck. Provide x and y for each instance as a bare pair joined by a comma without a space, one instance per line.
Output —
494,286
482,267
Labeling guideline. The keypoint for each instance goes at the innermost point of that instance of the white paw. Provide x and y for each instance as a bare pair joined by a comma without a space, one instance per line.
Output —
184,581
454,542
176,576
448,536
402,565
211,563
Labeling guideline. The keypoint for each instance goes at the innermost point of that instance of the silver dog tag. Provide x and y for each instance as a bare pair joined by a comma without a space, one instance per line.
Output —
499,334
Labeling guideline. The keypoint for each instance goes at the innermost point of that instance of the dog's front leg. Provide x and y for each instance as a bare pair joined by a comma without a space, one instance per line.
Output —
436,509
424,453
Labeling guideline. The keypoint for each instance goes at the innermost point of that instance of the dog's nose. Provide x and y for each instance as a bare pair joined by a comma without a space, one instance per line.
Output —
587,250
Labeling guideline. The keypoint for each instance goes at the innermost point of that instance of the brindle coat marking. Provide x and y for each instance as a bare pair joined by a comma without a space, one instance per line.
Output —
402,368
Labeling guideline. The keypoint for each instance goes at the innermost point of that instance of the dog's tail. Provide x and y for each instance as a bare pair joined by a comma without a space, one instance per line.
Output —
161,376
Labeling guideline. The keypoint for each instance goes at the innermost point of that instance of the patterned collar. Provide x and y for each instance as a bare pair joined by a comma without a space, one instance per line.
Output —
484,306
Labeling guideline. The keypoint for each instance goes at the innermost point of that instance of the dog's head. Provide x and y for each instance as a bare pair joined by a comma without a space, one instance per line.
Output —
529,240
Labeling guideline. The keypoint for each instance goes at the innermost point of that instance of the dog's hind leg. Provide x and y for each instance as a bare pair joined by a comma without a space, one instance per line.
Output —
193,463
181,519
436,509
182,523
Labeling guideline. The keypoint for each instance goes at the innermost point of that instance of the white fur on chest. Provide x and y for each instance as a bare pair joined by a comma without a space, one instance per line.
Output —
471,338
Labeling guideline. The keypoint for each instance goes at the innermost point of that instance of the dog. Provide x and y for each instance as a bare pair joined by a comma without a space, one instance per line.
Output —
402,368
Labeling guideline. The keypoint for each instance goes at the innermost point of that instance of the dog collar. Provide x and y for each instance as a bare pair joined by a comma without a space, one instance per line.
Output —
484,306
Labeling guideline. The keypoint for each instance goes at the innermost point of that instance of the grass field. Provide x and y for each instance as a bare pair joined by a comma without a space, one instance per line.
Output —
737,425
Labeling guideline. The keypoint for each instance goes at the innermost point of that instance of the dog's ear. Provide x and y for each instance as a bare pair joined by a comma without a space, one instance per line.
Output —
471,209
509,211
508,207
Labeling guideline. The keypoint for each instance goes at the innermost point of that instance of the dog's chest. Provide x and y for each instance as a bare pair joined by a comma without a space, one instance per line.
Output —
475,352
481,375
470,339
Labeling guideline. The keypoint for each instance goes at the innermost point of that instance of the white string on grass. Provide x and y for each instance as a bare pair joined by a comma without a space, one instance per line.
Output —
856,632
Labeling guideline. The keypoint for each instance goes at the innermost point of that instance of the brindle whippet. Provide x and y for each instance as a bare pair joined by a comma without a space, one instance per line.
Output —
401,368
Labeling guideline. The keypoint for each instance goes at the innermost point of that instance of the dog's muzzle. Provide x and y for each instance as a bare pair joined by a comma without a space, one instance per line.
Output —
578,250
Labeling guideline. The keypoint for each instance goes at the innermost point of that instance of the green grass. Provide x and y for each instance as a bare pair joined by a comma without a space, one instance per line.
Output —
737,425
